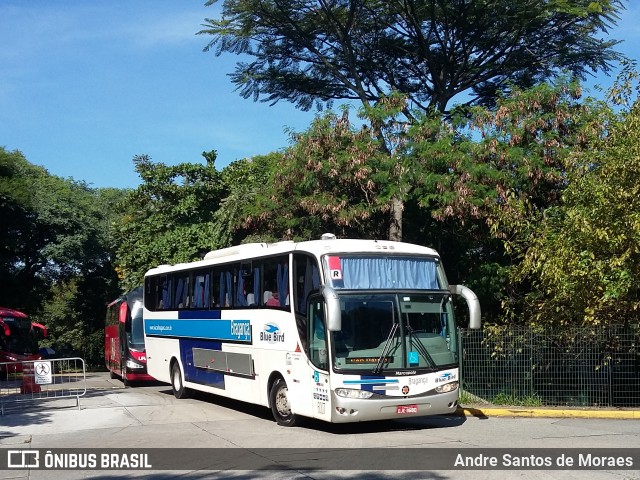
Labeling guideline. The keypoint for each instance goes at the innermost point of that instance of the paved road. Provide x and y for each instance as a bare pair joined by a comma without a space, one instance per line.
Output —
112,417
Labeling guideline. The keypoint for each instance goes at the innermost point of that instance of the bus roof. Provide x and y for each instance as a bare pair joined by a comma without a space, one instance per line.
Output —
8,312
314,247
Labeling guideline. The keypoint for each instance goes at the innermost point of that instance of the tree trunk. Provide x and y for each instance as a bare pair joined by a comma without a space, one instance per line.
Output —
395,224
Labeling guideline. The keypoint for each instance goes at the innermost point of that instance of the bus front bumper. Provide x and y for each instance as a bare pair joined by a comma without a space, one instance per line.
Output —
345,410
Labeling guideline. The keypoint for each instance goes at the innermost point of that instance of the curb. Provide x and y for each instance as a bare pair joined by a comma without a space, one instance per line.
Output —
486,412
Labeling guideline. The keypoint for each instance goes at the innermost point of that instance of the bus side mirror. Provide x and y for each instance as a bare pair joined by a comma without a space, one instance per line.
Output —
472,302
5,328
40,330
123,312
334,312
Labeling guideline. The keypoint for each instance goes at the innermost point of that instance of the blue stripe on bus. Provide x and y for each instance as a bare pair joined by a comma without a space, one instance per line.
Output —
206,328
200,314
370,382
377,381
200,375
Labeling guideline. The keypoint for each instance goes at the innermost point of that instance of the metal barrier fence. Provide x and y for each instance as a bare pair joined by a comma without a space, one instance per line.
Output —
41,380
573,367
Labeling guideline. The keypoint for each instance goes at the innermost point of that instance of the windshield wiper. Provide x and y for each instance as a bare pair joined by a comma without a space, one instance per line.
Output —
419,346
386,348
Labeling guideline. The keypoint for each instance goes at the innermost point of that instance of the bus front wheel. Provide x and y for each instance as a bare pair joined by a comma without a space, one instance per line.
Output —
177,385
280,406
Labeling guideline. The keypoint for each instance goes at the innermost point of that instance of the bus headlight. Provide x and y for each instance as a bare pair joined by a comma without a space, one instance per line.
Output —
447,387
133,364
352,393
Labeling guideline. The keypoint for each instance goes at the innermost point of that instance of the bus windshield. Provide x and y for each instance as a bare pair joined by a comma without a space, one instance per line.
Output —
384,273
17,336
383,332
136,335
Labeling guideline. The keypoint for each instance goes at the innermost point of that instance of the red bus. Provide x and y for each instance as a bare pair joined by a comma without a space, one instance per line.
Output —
19,338
124,351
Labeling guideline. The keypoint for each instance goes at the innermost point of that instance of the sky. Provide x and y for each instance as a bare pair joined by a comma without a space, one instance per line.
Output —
86,85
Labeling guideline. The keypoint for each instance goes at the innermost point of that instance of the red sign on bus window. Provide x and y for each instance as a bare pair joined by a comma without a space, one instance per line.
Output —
335,270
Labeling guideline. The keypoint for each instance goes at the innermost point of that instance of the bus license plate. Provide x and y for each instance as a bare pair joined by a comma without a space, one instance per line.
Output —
401,409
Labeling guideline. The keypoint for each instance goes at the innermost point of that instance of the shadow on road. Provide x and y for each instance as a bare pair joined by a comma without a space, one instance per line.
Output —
408,424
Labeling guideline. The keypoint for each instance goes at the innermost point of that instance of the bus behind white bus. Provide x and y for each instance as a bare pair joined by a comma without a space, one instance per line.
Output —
334,329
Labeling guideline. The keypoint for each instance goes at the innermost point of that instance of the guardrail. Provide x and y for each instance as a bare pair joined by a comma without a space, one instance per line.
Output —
41,380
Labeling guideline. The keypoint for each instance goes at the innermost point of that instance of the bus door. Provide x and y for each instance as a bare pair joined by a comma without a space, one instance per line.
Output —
318,359
123,347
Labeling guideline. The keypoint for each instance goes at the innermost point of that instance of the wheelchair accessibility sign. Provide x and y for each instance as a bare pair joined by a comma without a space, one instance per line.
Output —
42,373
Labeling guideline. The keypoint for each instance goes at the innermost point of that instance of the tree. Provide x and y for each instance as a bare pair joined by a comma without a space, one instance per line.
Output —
430,51
168,218
246,182
333,178
55,260
583,259
16,212
494,173
54,230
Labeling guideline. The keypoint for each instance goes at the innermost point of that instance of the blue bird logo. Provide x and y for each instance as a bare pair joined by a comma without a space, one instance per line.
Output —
271,328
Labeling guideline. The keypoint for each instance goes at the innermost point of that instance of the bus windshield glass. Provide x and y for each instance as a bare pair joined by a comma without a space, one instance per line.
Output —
21,338
383,273
136,336
385,332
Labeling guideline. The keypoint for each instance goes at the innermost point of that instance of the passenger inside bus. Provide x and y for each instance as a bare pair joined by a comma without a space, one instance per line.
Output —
273,301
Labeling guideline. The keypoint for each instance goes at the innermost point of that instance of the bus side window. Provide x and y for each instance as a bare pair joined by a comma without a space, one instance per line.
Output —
165,299
201,290
181,299
306,277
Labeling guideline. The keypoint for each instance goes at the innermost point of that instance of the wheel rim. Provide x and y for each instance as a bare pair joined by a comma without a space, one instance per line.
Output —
282,402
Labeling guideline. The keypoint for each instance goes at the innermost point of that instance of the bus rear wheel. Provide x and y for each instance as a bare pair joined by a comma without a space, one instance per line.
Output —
280,405
177,385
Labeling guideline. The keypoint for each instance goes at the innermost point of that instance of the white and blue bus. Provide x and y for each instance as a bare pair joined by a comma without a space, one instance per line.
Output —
334,329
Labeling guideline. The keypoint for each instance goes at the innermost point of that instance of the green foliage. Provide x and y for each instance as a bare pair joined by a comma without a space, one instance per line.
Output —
63,320
584,257
495,172
309,52
245,180
333,178
426,53
512,160
76,328
169,218
515,400
55,256
16,211
54,230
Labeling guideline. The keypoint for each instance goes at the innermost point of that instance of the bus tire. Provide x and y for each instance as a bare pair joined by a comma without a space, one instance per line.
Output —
177,385
280,405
